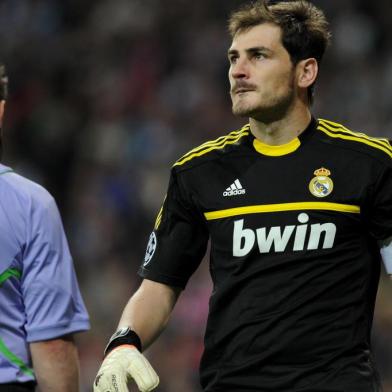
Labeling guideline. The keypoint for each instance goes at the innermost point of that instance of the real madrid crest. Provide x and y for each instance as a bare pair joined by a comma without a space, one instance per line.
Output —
321,185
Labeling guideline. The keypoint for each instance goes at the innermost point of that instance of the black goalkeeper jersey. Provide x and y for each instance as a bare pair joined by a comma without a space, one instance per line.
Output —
295,261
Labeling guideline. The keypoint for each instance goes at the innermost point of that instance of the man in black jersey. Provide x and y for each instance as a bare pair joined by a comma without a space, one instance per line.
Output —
297,210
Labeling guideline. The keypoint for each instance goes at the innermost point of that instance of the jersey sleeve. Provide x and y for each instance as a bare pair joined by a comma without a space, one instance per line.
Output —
380,212
179,239
380,215
53,303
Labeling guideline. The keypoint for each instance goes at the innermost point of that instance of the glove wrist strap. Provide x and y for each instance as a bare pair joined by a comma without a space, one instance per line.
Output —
123,336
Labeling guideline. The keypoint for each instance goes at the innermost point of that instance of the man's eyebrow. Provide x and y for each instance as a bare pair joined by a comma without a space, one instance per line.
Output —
231,52
251,50
259,49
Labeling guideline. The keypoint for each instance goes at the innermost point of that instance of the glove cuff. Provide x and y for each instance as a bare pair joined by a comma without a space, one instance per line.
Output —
123,336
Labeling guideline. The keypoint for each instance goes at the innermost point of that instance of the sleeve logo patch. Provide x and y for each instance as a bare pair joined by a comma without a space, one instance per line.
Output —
321,185
151,246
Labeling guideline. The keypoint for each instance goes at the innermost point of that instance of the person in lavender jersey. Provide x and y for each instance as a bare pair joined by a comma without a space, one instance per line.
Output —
40,303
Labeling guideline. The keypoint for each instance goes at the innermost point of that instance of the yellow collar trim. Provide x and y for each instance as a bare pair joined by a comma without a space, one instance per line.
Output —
276,151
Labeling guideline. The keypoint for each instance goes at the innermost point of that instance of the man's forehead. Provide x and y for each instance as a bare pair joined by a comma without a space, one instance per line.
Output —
265,35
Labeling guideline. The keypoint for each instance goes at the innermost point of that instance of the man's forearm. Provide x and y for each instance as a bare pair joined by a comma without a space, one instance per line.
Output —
56,365
149,309
146,313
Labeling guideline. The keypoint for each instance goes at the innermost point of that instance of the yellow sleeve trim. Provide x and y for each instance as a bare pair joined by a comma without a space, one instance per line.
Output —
217,141
380,144
210,146
299,206
159,216
341,128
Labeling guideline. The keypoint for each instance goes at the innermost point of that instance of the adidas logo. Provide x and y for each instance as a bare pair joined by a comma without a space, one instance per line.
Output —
234,189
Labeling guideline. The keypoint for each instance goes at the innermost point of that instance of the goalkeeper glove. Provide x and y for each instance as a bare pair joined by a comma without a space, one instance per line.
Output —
124,362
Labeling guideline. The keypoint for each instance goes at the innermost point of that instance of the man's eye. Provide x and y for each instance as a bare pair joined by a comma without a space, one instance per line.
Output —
259,56
233,59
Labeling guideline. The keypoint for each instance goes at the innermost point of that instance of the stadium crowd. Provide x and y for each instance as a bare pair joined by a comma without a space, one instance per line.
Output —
105,95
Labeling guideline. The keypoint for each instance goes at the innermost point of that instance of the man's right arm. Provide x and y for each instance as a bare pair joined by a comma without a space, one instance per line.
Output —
146,314
180,233
149,309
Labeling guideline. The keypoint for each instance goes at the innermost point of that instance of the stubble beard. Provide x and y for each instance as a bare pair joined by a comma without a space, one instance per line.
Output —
269,108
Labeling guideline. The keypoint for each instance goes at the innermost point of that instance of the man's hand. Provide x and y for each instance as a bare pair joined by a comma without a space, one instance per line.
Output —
120,366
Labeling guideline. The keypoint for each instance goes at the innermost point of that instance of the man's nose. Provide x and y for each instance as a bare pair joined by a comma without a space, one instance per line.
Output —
240,69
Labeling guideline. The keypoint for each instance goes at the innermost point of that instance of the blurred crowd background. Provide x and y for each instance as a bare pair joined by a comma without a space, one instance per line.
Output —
106,94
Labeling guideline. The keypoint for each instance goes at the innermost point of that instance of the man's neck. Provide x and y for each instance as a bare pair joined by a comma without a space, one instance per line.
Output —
283,130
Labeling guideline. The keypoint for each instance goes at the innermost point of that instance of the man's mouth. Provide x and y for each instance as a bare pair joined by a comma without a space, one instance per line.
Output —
242,90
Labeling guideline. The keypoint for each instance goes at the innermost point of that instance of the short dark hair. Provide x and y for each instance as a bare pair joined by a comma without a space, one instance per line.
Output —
305,29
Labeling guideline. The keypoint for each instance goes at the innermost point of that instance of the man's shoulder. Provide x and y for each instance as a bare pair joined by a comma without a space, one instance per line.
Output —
358,142
16,187
212,149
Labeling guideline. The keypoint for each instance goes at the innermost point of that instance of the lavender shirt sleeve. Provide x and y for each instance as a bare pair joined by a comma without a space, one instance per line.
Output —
53,303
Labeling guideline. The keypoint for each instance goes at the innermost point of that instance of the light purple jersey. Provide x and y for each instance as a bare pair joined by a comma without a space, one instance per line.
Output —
39,293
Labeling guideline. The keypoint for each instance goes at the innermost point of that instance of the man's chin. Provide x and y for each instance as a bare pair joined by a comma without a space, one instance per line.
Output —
266,114
242,111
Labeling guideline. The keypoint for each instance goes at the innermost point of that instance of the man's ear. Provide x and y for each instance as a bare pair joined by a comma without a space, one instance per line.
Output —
2,107
307,71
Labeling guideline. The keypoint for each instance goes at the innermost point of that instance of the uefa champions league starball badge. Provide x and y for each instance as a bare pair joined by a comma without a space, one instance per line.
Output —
151,246
321,185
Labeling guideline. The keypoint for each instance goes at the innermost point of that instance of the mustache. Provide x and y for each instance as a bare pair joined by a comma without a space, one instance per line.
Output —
242,86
